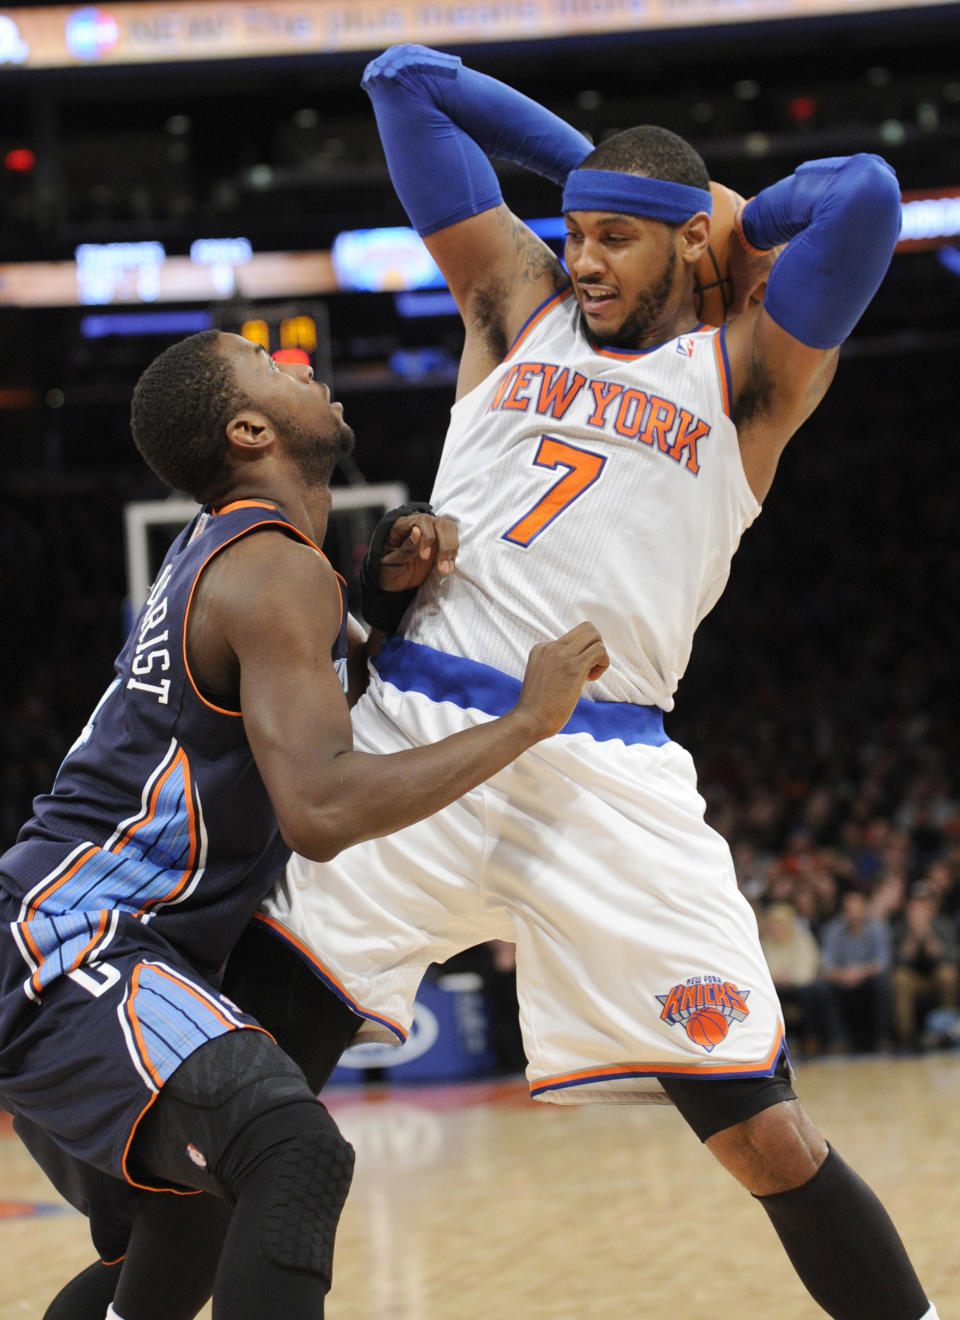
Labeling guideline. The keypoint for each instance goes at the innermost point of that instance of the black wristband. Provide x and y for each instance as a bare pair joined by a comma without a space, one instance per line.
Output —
384,609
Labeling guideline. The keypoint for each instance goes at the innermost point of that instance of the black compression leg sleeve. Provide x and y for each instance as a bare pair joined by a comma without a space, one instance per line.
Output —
237,1119
87,1295
172,1258
843,1245
290,1171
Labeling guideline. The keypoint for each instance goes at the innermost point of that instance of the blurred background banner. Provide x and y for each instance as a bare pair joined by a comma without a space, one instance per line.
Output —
449,1039
61,36
360,261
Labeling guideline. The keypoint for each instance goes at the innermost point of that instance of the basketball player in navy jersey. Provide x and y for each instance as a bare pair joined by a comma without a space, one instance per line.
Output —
223,740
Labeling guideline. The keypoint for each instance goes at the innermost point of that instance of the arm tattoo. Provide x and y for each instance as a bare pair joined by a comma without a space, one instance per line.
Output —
534,258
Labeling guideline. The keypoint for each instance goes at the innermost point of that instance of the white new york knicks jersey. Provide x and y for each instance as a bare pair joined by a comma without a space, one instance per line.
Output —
595,485
615,471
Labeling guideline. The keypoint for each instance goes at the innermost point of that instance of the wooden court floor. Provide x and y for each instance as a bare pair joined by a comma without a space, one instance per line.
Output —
472,1202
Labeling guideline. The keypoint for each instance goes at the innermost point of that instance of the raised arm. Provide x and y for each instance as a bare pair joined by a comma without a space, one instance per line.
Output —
274,611
439,123
840,220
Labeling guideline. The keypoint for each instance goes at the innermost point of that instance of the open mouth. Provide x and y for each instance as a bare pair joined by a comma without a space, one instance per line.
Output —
596,300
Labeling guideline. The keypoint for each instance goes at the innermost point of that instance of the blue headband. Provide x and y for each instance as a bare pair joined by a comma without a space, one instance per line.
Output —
633,194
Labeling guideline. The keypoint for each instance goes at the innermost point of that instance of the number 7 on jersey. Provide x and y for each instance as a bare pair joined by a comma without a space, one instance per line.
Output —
582,468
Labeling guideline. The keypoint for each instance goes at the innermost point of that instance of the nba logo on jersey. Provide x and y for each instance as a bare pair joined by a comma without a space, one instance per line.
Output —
201,522
685,347
706,1007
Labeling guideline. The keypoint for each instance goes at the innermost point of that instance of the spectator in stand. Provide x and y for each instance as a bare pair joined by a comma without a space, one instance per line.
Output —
889,896
875,839
856,958
752,870
897,853
940,880
825,884
951,856
815,895
809,909
793,956
925,973
781,883
819,812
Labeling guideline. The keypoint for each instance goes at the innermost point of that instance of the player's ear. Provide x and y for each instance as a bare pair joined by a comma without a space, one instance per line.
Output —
695,237
249,433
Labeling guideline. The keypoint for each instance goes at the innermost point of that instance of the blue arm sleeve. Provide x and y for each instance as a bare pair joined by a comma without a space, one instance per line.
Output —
439,121
840,218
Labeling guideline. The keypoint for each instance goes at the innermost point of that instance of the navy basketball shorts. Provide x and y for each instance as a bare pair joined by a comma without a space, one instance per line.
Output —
86,1061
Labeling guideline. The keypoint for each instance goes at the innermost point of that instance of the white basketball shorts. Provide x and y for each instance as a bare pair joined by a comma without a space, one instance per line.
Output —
636,953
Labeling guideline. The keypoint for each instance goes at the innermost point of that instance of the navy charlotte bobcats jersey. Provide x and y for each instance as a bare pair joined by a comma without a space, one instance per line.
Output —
158,814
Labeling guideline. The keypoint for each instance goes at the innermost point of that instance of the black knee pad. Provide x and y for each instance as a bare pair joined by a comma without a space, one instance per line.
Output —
293,1168
309,1184
214,1095
712,1106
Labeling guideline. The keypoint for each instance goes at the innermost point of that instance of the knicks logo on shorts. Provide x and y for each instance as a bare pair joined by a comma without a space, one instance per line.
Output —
706,1007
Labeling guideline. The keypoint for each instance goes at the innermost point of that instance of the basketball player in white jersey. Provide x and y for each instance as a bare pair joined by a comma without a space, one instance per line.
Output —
605,454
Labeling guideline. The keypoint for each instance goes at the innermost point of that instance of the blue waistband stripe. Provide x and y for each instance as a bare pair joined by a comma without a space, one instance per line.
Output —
472,686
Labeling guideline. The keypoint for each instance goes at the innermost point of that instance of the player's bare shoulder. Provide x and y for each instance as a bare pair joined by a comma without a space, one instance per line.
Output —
271,584
241,600
504,295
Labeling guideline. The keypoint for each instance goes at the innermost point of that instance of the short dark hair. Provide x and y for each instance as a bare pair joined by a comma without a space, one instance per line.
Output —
179,413
653,151
851,890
